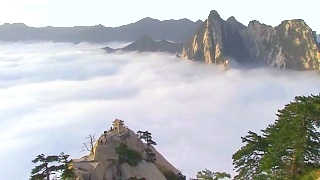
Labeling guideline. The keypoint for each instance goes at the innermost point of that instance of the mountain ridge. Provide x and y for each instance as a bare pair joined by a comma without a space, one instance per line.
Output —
173,30
290,45
147,44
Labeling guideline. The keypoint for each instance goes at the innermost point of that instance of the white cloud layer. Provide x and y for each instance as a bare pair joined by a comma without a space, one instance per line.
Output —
53,95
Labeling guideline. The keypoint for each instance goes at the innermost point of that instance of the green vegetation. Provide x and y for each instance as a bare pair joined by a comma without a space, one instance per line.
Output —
49,165
127,155
151,157
66,168
287,149
209,175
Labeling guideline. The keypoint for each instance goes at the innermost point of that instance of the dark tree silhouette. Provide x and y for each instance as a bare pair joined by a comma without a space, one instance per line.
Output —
288,148
44,167
49,165
66,168
145,135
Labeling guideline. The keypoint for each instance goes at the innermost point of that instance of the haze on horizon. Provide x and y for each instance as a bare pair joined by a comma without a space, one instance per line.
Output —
40,13
54,94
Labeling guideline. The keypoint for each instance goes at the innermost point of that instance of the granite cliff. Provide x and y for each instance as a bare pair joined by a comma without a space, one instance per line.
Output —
290,45
216,41
106,163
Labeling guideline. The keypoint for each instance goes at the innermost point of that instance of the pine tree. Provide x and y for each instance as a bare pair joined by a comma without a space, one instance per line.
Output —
247,159
44,168
287,149
66,168
55,164
148,138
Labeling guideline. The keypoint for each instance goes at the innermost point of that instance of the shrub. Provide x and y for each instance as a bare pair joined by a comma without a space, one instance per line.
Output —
127,155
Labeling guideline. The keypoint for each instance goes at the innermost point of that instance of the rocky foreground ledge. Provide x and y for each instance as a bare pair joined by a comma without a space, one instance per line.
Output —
120,154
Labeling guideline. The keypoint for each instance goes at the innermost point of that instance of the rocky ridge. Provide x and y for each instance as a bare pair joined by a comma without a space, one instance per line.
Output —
290,45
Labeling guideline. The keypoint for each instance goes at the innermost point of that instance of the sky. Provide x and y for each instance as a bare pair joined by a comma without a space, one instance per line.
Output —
119,12
54,94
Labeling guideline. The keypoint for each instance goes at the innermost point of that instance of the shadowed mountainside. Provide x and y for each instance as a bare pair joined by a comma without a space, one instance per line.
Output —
146,44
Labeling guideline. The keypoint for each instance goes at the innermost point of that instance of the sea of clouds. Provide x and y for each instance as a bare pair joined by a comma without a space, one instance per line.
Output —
52,95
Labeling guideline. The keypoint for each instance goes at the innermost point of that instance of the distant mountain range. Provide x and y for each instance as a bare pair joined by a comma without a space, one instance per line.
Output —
146,44
290,45
173,30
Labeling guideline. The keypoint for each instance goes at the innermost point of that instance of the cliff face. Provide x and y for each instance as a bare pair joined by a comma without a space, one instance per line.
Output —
290,45
104,162
215,42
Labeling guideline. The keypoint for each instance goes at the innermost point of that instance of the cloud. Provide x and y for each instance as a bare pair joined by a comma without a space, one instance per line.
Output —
53,95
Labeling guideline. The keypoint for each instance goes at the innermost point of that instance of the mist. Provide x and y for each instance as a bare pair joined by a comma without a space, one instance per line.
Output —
52,95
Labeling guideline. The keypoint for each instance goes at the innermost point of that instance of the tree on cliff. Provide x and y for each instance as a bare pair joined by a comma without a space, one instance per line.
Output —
49,165
66,168
148,138
44,168
287,149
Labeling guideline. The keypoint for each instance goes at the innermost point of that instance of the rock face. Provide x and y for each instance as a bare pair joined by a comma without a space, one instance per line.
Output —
146,44
103,163
290,45
216,41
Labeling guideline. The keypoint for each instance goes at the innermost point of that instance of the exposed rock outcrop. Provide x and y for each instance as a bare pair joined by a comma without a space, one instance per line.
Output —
104,164
146,44
216,41
290,45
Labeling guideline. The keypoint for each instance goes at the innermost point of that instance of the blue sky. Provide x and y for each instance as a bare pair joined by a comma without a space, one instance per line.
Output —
119,12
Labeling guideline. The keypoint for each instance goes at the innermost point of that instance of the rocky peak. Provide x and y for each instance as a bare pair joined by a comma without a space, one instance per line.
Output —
254,23
235,23
106,162
299,47
215,41
290,45
214,15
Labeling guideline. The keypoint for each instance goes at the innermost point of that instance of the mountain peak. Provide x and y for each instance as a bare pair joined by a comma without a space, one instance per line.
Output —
235,23
110,158
214,15
145,38
148,19
232,18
